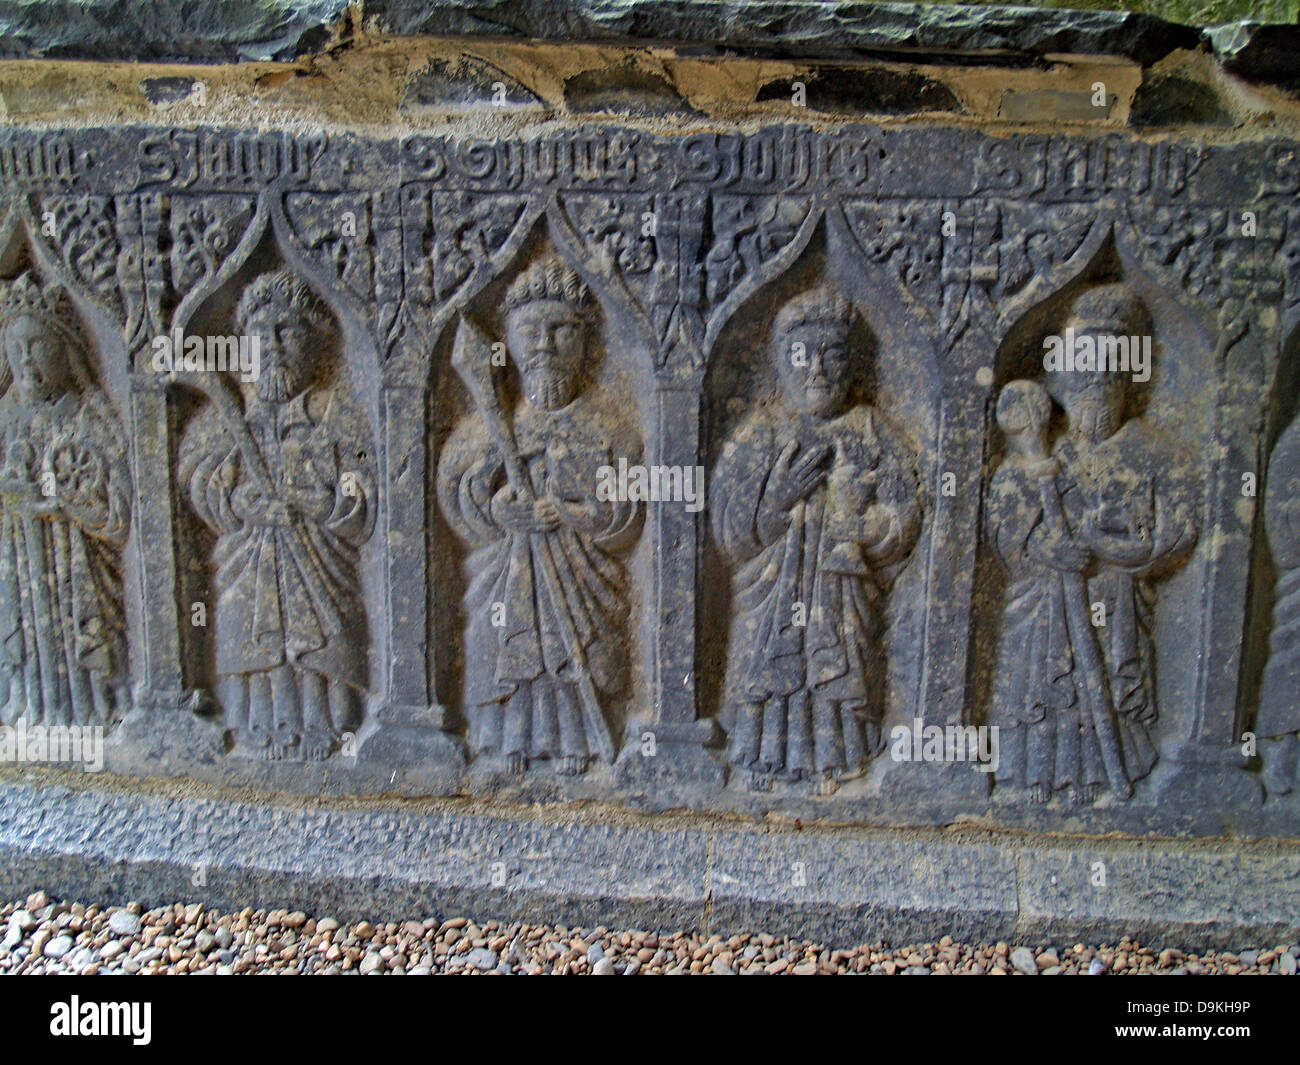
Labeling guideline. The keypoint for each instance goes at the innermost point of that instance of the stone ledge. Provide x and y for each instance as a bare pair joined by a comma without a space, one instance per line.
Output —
260,30
109,845
791,27
234,31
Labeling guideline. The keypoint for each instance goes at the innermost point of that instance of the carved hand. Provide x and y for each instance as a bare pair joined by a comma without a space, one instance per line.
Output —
524,515
1059,552
1133,549
314,502
39,506
25,497
794,478
258,509
583,513
877,524
16,487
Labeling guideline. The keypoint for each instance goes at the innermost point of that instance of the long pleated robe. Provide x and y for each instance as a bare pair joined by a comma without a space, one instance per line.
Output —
62,629
287,595
520,690
1048,734
807,673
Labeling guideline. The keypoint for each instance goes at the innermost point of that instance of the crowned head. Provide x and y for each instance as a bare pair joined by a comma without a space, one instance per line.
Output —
38,335
548,311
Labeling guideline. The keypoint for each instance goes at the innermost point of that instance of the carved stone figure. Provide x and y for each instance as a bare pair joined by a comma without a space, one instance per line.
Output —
1278,722
64,509
286,486
1084,528
547,632
815,500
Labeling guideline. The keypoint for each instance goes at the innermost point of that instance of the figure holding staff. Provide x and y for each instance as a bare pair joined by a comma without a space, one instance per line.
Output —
547,643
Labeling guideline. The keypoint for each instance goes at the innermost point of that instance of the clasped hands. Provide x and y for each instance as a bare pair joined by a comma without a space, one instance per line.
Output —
1074,552
543,514
280,510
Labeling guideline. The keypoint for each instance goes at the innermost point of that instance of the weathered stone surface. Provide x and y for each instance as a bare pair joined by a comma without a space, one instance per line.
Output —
1258,51
469,83
624,91
283,29
591,437
840,886
460,587
880,92
788,27
1174,101
162,31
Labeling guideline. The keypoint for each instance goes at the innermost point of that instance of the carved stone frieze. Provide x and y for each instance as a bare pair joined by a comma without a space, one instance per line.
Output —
714,469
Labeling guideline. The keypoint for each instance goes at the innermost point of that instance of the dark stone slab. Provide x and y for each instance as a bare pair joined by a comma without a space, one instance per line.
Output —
864,92
624,90
167,90
1173,101
281,29
838,886
467,83
1260,51
792,28
161,31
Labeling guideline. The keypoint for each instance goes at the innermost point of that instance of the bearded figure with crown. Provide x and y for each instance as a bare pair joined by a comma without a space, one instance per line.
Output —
547,606
815,499
64,516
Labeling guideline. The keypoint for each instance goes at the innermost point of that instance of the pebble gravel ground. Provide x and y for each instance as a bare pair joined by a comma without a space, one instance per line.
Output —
46,936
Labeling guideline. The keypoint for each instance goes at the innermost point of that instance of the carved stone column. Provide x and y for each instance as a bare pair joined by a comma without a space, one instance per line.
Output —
407,730
670,759
166,721
968,343
1212,755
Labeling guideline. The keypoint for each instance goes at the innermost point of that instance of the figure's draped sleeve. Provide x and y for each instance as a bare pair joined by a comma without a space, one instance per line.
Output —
470,471
210,468
739,480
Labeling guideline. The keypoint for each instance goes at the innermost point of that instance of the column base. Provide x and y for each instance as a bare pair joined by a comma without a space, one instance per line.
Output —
165,732
1211,782
935,791
410,741
666,766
